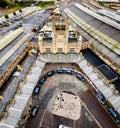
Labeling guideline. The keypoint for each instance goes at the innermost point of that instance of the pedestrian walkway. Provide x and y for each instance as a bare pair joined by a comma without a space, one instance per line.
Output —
22,97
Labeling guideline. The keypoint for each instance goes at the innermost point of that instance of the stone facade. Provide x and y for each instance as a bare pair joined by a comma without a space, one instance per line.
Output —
59,36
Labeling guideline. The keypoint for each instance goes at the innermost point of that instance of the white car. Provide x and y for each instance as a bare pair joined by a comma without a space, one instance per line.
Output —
63,126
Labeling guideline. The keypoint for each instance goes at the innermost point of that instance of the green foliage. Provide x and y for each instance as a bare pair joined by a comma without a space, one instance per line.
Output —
101,3
14,13
9,4
20,10
44,4
3,3
6,16
21,2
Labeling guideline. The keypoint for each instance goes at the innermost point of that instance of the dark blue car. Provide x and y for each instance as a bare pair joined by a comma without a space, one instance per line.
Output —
68,71
60,71
50,73
101,98
114,114
80,77
36,89
42,79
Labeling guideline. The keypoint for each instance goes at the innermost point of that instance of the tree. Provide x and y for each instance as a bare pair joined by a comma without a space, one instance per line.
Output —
14,13
20,10
6,16
3,3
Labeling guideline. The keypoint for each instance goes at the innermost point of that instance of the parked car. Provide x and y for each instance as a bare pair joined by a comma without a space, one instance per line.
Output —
63,126
42,79
50,73
34,111
80,77
101,98
68,71
60,71
114,114
36,89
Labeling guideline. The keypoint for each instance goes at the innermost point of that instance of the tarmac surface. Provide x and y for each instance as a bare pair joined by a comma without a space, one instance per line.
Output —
92,114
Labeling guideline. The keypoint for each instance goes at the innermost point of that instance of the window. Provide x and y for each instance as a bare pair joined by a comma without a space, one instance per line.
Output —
72,49
48,50
60,49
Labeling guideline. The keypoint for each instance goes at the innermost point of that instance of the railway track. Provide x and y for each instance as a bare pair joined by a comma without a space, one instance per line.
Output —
9,53
88,4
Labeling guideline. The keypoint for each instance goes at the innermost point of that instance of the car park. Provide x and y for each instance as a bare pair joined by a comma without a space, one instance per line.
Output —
36,89
80,77
101,98
68,71
114,114
42,79
34,111
50,73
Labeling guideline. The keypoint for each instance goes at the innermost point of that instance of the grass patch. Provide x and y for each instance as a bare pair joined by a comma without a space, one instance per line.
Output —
45,4
12,7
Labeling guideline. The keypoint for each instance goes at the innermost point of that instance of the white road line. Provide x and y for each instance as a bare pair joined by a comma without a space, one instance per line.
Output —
16,109
107,89
8,125
28,87
42,118
22,97
115,100
91,114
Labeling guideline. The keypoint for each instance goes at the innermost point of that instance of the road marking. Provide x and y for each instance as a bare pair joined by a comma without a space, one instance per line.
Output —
116,100
29,87
22,97
16,109
42,118
107,90
91,114
8,125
